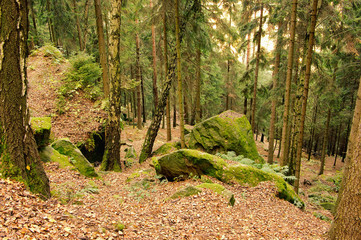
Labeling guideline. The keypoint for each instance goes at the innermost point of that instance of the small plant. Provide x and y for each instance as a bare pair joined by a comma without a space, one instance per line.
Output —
119,226
321,216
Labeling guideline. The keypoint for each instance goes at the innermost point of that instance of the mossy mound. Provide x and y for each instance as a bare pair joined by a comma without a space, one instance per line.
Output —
65,147
229,131
185,163
42,129
220,190
167,148
185,192
49,154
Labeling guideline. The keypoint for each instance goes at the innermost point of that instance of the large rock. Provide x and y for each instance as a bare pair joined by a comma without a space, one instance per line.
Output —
49,154
229,131
42,128
186,163
65,147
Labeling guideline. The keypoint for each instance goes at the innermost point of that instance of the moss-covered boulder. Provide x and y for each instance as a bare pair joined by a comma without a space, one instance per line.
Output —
42,129
167,148
186,162
220,190
228,131
49,154
65,147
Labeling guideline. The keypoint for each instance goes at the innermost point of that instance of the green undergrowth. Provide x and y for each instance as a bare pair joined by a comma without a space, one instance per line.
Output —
70,193
50,51
141,189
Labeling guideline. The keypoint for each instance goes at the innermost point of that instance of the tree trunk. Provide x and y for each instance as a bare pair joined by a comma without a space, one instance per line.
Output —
288,82
19,155
165,45
324,145
137,75
102,50
198,86
274,88
50,24
305,92
254,99
347,224
158,113
155,88
143,97
111,158
314,118
31,7
174,108
86,16
179,75
78,25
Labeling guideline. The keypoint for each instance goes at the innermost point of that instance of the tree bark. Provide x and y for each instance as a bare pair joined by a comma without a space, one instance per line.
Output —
137,75
165,45
254,99
179,75
274,88
158,113
102,50
86,16
288,82
347,224
19,155
198,85
111,158
324,144
155,88
305,92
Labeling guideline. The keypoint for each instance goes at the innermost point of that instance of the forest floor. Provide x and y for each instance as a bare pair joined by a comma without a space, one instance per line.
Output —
131,204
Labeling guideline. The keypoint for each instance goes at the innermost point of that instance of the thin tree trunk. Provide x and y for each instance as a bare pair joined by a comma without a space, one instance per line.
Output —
50,23
31,7
174,108
314,118
143,97
254,99
154,126
165,45
179,75
137,75
78,25
323,153
274,88
111,159
305,92
155,88
86,16
198,85
102,50
288,82
19,154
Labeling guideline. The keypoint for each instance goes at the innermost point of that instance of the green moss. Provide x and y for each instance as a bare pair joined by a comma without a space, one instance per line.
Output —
119,226
107,165
185,192
49,154
185,162
220,190
65,147
166,149
42,129
228,131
